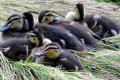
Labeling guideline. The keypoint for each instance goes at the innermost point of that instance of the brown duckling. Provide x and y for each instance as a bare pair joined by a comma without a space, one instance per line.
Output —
55,56
59,35
101,25
19,48
17,26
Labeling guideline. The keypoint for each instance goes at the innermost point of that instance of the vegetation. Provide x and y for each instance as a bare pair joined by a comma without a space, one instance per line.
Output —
114,1
101,65
110,0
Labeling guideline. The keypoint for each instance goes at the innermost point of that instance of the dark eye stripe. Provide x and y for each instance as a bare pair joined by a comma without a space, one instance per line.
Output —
13,20
51,48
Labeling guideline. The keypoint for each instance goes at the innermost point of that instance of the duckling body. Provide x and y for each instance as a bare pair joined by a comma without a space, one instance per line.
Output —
57,57
18,48
60,35
81,32
17,26
101,25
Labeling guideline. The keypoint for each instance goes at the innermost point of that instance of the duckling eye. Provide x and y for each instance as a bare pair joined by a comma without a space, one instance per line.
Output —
18,21
55,50
34,39
46,19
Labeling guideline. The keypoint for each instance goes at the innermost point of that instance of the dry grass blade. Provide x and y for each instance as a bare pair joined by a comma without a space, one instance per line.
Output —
6,70
31,53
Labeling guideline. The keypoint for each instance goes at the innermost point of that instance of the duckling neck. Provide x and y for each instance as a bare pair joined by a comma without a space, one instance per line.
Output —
25,25
70,16
74,17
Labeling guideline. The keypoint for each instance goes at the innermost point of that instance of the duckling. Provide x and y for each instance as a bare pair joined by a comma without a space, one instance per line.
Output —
19,48
59,35
81,32
55,56
17,26
101,25
79,15
35,56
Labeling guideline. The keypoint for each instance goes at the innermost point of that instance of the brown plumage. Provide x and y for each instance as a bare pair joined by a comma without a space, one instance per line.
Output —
101,26
59,35
19,48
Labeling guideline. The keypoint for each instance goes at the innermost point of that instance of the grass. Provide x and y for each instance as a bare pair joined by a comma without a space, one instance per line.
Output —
117,2
103,64
109,0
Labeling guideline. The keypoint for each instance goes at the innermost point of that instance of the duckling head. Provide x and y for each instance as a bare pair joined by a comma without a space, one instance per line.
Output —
52,50
77,14
47,17
33,38
18,22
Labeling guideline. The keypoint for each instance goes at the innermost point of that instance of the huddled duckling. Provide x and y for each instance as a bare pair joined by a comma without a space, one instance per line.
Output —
19,48
55,56
59,35
17,26
81,32
101,25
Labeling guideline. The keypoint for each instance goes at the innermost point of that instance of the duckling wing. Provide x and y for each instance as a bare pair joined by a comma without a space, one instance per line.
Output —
69,65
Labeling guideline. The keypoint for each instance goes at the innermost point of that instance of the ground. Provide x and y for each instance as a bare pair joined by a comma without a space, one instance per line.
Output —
101,65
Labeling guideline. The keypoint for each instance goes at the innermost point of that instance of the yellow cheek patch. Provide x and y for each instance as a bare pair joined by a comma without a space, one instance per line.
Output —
50,19
13,25
75,10
77,14
31,40
47,19
51,54
34,40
